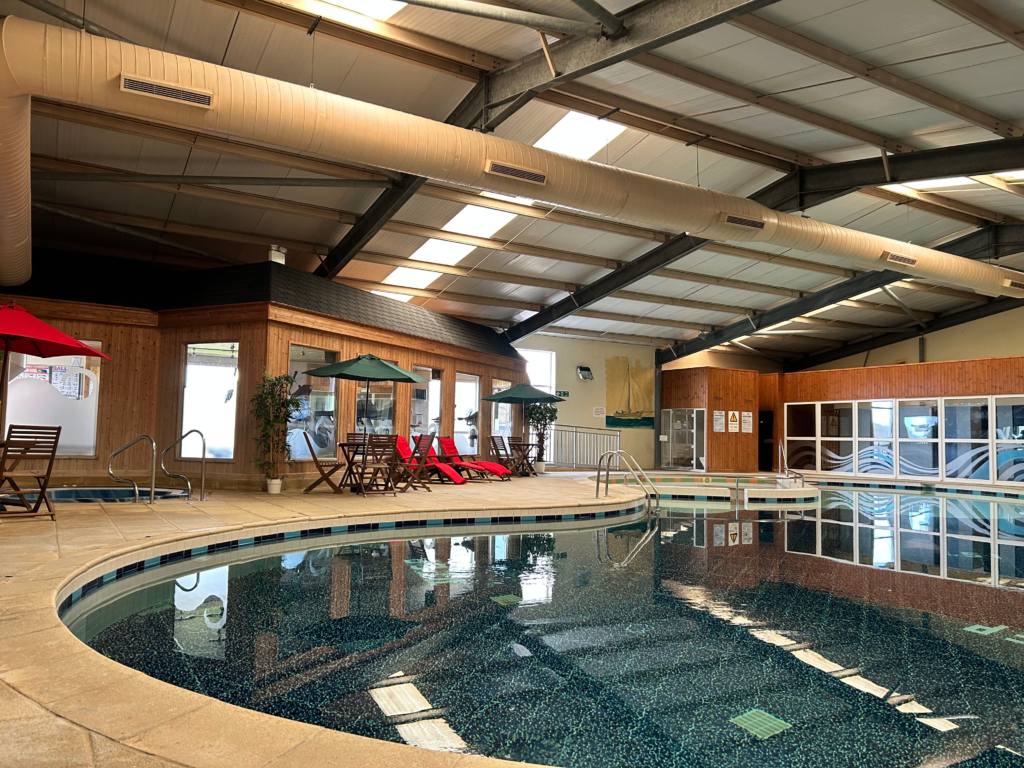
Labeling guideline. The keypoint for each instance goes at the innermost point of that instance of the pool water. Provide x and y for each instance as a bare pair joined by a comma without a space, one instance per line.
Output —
93,494
541,647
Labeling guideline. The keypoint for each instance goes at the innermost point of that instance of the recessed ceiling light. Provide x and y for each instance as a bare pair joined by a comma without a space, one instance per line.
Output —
382,10
579,135
395,296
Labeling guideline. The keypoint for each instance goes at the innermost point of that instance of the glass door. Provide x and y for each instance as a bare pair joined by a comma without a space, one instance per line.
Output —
684,448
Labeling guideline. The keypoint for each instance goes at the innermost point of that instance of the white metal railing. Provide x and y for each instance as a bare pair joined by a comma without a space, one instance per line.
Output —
152,469
566,445
633,468
202,471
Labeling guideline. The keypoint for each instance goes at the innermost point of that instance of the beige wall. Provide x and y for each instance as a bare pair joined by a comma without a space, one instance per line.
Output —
709,359
996,336
584,396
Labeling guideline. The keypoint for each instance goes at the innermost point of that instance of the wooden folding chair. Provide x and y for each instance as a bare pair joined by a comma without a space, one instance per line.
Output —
504,456
435,469
325,468
411,466
28,443
376,472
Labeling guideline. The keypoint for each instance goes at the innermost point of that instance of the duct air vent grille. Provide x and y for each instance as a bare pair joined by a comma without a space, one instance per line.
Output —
515,172
899,258
167,91
741,221
1017,284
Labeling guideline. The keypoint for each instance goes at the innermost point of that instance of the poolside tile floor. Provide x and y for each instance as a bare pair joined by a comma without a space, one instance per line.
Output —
63,705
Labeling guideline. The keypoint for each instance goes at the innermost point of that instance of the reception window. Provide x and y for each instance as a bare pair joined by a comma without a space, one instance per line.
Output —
980,439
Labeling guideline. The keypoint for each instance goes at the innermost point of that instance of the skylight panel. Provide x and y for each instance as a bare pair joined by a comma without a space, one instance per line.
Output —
411,278
382,10
477,221
442,252
395,296
579,135
1010,175
956,181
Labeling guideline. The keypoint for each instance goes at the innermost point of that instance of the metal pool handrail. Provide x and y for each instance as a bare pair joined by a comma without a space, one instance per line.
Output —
152,469
633,467
202,470
784,466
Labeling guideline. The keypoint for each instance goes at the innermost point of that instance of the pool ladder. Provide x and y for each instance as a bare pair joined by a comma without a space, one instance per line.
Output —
633,467
152,468
784,467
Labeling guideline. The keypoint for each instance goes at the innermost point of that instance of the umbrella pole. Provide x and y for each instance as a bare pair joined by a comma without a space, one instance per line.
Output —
3,387
366,408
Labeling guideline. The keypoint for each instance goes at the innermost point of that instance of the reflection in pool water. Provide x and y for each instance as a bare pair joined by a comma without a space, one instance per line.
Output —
538,647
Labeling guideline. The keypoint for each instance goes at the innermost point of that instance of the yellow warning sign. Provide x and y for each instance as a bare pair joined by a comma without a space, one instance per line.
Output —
734,421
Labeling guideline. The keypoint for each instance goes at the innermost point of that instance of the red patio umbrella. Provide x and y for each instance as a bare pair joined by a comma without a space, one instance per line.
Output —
24,333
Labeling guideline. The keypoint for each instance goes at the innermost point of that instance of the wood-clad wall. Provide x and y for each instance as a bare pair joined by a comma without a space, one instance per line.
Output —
988,376
141,386
718,389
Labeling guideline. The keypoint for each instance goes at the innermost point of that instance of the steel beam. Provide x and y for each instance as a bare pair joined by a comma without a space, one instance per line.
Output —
986,19
68,17
612,23
513,16
950,320
649,26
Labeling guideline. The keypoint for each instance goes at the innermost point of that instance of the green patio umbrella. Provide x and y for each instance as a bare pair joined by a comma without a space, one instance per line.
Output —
524,394
367,368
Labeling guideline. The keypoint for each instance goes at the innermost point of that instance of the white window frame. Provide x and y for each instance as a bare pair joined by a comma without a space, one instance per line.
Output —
813,438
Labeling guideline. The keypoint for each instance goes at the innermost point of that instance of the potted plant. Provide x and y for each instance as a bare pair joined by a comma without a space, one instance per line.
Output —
272,406
540,416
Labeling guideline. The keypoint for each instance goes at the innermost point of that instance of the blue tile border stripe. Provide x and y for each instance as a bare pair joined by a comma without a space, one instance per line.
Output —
151,563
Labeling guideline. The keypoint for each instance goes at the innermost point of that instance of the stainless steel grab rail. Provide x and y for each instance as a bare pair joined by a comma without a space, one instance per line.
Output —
152,470
202,470
633,467
784,466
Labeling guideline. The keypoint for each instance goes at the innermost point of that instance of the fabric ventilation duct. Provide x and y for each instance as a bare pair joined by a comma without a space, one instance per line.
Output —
72,66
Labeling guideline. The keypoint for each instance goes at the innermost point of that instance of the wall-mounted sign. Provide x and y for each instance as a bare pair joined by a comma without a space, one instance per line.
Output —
734,421
663,438
561,393
734,534
748,533
719,535
748,421
599,412
719,421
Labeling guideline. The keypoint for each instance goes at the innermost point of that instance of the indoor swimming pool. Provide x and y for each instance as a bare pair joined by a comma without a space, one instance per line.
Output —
872,629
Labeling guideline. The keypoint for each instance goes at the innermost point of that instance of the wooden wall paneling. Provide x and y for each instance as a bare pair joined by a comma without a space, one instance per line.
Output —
732,390
685,388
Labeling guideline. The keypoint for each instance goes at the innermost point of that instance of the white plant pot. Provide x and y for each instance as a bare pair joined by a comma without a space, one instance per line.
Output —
273,486
539,466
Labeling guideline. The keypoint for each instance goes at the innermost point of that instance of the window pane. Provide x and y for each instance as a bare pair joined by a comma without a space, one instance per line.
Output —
540,368
967,419
801,454
875,419
919,419
919,459
876,509
837,455
968,560
837,505
57,390
1010,462
875,458
919,553
1011,565
837,541
878,547
1010,418
378,416
316,416
425,414
1011,522
968,518
210,400
501,413
837,419
467,412
967,460
800,420
800,536
919,513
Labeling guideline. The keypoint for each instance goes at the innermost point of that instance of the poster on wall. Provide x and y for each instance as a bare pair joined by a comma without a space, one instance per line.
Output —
599,412
719,535
734,534
734,421
629,393
748,421
719,421
748,533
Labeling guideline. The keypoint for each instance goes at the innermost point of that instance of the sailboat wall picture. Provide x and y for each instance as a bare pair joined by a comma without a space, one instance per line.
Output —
629,394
